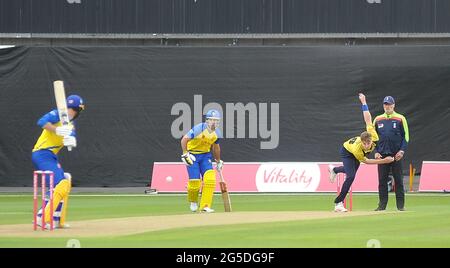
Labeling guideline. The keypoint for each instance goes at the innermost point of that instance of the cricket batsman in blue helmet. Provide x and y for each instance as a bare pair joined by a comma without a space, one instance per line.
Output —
200,146
44,156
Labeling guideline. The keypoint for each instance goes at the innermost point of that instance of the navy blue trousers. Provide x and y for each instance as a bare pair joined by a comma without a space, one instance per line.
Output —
351,165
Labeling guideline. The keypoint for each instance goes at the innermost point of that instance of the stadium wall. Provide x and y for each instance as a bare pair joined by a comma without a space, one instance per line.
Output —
218,16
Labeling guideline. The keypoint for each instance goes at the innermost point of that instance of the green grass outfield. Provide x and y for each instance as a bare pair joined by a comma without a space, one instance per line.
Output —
425,224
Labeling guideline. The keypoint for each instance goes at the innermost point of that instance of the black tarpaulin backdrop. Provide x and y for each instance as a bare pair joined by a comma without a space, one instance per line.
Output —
129,93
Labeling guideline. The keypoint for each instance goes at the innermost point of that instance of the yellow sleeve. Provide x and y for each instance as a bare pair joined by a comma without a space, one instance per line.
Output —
372,131
405,128
353,146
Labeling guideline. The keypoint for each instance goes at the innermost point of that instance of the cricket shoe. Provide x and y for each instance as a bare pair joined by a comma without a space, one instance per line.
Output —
194,206
339,207
47,225
332,173
38,221
207,210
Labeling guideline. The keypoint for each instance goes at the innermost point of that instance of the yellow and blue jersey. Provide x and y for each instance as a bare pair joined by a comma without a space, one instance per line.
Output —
44,156
201,139
355,147
200,143
48,140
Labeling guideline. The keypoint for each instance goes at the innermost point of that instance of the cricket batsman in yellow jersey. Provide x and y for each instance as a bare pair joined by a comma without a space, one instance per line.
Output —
44,156
353,152
197,145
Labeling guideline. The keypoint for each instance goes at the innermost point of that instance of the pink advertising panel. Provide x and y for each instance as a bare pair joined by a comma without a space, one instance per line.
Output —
266,177
435,176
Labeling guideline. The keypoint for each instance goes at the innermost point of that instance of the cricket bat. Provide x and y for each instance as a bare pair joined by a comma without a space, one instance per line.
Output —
61,104
225,195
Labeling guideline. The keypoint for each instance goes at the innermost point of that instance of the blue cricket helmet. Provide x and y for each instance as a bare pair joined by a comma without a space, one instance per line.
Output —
213,114
75,102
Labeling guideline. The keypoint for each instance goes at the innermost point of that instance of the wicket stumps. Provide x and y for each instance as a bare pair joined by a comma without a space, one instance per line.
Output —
341,178
35,197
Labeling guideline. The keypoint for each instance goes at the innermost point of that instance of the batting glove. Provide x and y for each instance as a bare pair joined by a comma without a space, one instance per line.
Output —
64,131
219,165
188,159
70,141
